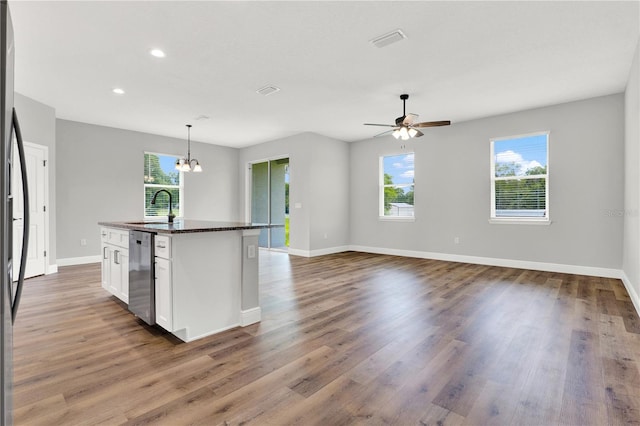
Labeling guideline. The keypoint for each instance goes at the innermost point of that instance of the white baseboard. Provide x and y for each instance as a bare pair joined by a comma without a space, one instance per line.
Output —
635,298
296,252
491,261
183,334
250,316
69,261
51,269
318,252
520,264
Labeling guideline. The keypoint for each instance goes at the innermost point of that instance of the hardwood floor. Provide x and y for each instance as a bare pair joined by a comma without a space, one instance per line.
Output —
350,338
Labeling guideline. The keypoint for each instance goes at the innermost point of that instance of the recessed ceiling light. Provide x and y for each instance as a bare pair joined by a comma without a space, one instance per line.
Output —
118,91
157,53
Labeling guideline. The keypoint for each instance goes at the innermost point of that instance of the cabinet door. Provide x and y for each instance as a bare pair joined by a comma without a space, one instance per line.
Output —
106,267
164,314
123,259
116,272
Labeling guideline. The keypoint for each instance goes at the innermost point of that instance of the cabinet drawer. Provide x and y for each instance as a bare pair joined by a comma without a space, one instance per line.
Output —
162,246
117,237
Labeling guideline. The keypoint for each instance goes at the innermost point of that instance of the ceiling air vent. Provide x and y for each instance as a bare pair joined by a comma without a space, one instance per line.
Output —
267,90
387,39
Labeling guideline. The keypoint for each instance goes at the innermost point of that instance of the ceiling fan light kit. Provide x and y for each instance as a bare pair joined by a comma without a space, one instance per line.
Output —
405,128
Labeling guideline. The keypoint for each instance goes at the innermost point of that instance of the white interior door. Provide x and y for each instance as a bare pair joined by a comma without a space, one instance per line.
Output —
35,157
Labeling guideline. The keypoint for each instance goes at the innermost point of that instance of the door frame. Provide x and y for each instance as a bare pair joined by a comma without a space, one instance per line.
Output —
249,188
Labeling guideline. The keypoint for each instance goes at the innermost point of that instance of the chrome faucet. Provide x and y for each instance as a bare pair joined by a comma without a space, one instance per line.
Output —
153,201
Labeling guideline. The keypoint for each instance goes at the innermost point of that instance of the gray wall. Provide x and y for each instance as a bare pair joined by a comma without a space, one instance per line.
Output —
103,181
452,195
318,179
631,256
38,125
336,185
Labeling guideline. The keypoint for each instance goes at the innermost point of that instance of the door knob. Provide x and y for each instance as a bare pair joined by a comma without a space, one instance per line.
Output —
17,218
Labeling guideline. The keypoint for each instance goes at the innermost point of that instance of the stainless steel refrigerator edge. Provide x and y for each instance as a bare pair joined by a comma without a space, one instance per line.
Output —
6,248
9,295
141,276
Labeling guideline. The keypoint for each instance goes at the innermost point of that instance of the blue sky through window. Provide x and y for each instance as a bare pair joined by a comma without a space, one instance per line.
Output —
167,163
400,167
528,151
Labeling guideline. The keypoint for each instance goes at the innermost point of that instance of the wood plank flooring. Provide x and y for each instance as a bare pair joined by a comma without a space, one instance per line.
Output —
350,338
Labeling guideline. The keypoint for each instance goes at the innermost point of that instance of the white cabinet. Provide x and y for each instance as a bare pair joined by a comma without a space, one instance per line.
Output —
106,259
163,282
205,281
106,266
119,283
162,246
115,262
164,314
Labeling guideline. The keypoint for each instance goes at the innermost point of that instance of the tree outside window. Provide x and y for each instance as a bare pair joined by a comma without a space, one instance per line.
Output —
520,181
397,186
160,173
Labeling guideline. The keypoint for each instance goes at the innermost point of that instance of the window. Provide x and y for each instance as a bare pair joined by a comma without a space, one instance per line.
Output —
160,173
520,178
397,186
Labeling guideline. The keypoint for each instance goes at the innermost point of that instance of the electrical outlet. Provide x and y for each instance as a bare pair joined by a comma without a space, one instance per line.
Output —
456,240
83,242
251,251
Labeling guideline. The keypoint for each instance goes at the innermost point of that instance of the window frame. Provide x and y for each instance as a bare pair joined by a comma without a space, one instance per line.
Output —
382,186
525,220
180,188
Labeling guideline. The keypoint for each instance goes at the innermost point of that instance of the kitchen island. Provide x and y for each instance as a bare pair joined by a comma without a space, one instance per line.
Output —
206,273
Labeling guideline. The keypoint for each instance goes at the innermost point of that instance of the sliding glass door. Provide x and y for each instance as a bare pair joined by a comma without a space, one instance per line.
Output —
270,201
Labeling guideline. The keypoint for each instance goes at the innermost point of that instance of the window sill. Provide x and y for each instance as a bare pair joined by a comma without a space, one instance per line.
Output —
396,219
519,221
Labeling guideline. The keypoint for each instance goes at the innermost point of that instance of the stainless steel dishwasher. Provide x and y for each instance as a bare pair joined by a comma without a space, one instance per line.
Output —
142,297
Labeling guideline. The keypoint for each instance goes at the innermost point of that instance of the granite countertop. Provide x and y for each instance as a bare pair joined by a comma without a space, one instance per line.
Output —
183,226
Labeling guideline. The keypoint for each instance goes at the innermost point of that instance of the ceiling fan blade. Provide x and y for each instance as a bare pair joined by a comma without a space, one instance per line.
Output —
384,125
432,124
409,119
418,134
388,132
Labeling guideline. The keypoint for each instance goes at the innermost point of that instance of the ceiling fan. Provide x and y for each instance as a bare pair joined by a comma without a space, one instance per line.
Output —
405,128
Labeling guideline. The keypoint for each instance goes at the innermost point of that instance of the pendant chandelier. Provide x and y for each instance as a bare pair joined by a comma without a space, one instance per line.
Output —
187,164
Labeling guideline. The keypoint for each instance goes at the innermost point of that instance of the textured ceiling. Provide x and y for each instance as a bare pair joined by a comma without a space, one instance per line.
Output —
460,61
